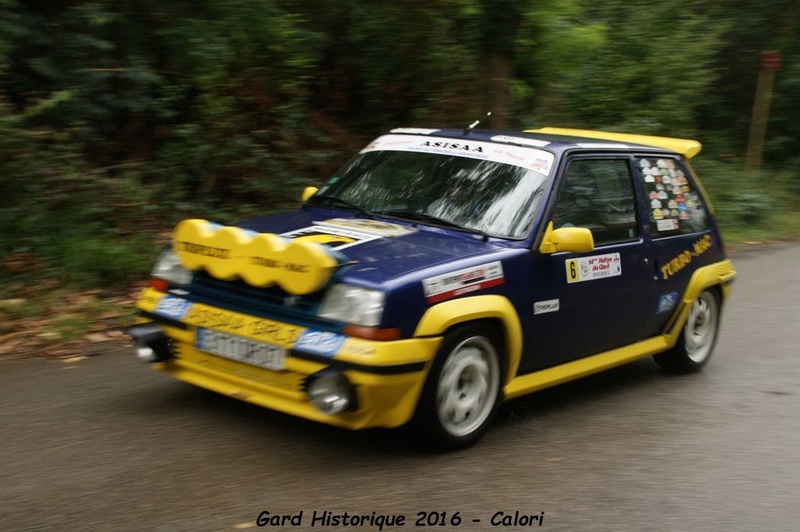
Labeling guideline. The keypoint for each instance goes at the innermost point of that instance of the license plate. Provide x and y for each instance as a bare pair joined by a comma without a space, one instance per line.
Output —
241,349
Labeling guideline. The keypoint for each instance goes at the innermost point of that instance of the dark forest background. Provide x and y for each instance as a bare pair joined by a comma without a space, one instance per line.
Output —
120,117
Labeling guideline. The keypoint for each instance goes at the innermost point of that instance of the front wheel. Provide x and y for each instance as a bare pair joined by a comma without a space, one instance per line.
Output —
463,389
697,339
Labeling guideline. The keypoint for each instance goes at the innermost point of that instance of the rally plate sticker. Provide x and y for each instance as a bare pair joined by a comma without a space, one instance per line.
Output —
593,268
449,285
320,342
171,307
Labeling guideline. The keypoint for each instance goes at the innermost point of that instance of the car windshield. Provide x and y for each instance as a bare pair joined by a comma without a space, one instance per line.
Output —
488,188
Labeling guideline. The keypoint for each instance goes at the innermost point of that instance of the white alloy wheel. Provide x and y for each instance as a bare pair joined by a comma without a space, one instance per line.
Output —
463,388
468,386
701,328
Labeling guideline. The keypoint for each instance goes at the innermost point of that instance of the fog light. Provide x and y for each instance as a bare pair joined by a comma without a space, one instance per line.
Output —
331,392
145,354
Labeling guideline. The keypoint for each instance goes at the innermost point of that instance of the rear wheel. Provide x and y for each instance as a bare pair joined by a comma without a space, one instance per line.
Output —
698,337
462,392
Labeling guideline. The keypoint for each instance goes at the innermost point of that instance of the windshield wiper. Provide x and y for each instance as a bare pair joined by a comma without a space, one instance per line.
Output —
435,220
346,203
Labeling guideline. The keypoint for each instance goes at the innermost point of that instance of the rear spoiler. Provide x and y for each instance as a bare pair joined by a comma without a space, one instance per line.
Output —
686,147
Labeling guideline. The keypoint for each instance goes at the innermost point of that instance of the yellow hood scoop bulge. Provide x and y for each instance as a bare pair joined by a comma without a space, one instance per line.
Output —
260,259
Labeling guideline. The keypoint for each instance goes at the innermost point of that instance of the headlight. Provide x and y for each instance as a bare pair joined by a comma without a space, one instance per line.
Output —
350,304
168,268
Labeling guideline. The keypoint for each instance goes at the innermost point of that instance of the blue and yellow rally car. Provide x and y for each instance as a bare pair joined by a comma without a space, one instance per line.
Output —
443,271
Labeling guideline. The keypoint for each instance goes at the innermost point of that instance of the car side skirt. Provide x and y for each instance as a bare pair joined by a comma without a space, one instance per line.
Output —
583,367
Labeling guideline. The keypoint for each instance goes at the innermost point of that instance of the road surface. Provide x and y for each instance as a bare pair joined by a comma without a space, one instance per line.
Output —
105,443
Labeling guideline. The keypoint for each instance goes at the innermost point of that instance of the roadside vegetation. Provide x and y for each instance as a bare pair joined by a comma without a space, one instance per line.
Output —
119,119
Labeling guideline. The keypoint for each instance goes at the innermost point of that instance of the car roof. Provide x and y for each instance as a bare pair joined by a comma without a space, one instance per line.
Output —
564,139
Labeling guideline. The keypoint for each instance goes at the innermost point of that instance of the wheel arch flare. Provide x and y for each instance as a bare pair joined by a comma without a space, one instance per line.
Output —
719,276
441,317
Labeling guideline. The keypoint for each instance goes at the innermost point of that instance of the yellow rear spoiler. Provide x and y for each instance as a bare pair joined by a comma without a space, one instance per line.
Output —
686,147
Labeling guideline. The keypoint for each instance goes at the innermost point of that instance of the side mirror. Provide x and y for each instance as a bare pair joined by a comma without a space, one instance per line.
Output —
308,192
569,239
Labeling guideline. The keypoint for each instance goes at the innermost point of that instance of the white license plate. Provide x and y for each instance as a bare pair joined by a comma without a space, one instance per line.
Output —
241,349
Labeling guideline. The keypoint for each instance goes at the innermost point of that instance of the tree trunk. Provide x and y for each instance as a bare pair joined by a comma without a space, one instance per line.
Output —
498,69
500,23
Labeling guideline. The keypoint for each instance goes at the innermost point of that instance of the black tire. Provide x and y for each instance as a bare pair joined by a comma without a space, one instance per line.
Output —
698,337
463,390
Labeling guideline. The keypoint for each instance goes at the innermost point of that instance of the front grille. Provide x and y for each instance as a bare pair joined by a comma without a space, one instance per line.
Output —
270,303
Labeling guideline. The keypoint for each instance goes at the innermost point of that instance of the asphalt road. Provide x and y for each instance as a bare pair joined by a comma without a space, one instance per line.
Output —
107,444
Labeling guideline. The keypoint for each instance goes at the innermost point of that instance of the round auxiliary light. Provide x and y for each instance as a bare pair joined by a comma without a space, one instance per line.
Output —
145,354
331,392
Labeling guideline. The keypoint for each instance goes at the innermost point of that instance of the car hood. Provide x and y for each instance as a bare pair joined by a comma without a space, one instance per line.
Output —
375,252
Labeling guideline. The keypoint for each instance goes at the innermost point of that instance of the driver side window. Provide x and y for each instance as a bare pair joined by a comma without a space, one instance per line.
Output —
598,194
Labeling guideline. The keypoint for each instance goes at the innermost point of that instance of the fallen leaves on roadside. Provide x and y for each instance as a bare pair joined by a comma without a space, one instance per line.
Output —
95,338
6,303
9,347
53,322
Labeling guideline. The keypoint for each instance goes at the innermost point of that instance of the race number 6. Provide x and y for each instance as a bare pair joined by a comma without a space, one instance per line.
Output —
572,270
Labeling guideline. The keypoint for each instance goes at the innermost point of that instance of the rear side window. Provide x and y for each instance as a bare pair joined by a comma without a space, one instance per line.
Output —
674,206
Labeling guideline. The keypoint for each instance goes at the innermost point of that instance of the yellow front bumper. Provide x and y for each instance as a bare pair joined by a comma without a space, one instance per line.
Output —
388,376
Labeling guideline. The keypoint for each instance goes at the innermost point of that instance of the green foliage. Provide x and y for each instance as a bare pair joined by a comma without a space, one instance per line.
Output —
784,124
111,124
117,119
92,255
386,63
636,66
64,217
747,203
754,27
